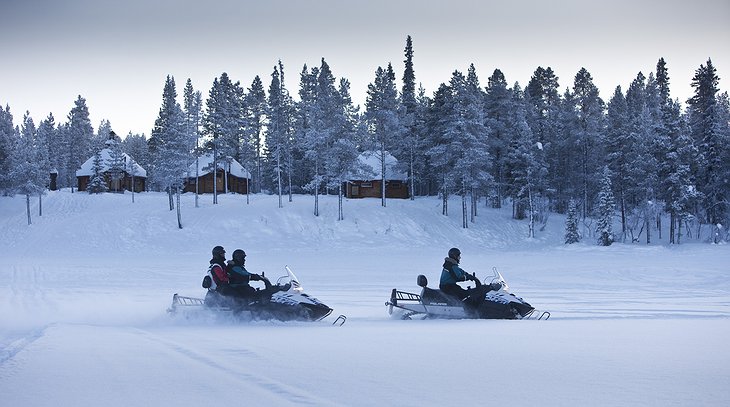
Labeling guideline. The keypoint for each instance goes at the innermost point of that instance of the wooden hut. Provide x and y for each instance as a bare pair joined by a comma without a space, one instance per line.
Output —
229,177
370,185
133,178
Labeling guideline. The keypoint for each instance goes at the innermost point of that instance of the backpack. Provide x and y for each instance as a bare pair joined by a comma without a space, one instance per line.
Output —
208,280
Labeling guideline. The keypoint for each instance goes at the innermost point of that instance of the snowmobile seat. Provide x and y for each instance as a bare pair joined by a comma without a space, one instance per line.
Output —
431,296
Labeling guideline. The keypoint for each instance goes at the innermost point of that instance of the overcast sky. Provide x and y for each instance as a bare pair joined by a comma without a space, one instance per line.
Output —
116,54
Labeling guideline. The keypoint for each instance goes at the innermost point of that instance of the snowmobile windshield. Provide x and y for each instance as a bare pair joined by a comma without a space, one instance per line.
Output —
497,277
291,279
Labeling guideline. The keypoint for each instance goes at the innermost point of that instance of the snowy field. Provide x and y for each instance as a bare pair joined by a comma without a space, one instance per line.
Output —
85,289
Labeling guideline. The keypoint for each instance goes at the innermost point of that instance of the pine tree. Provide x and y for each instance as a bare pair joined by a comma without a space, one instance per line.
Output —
705,124
193,107
27,178
221,123
8,137
45,134
606,207
116,165
619,145
174,146
565,163
97,183
525,166
383,117
498,105
407,150
277,131
441,159
79,133
342,155
461,147
255,114
542,102
571,224
589,107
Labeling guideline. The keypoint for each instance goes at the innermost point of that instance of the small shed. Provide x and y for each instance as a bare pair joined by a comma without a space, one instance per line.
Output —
396,182
230,174
133,178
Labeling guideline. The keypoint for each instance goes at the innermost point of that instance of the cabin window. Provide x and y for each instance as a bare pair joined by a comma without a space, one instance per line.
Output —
366,185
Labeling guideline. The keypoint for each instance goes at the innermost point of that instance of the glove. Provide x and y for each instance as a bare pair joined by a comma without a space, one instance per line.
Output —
496,286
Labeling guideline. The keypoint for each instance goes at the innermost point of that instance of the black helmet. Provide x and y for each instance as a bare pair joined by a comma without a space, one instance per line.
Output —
454,253
239,256
219,251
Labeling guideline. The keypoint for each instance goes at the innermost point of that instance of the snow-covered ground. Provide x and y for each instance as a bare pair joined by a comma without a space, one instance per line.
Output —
85,290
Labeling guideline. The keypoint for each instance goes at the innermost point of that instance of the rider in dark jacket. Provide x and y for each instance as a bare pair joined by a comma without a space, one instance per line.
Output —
452,273
240,278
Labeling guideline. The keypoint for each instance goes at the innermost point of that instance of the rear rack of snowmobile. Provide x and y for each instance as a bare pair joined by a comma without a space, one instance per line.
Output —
180,301
412,300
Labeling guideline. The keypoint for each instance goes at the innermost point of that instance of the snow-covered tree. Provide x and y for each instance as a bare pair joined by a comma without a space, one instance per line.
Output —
117,163
498,105
79,133
606,207
460,144
97,183
706,124
193,107
279,142
589,108
525,166
571,224
255,102
8,138
542,103
174,146
222,122
342,155
383,117
26,176
44,135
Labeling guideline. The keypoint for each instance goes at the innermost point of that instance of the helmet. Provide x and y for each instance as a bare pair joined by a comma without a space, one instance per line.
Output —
219,251
454,253
239,256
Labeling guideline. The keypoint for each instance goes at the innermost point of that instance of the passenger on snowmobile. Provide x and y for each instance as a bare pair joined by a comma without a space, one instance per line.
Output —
452,273
217,272
239,279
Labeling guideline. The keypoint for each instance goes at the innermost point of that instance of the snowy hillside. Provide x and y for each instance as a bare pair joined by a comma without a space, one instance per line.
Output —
86,286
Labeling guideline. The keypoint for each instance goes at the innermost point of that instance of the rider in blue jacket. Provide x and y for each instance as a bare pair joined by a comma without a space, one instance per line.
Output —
452,273
239,279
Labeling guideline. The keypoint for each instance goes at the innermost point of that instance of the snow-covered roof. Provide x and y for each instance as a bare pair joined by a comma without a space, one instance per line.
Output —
205,166
371,161
87,168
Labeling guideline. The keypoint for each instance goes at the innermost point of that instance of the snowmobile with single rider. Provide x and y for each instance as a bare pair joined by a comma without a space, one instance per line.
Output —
284,301
486,301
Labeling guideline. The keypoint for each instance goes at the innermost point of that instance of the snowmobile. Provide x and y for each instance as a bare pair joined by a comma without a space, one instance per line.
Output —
486,301
284,301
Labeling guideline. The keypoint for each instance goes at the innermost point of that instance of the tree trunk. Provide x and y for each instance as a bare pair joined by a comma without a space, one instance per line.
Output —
464,214
278,176
197,181
40,204
382,172
27,207
340,213
179,217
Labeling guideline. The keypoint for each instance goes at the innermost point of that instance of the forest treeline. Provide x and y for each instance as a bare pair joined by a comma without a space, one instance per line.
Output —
634,157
